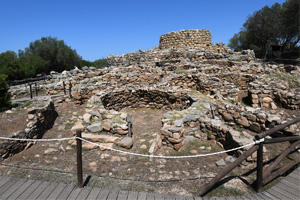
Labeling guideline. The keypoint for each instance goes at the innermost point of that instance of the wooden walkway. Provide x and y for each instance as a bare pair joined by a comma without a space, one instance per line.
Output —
14,188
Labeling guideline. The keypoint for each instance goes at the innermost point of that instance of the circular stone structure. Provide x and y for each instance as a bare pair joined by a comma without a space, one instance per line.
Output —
183,39
146,98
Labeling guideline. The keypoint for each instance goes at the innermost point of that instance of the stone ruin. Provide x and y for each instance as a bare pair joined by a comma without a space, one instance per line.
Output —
187,76
40,118
185,39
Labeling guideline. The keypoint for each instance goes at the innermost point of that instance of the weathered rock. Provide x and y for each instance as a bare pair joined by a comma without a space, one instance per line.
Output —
76,127
227,117
229,159
243,121
87,118
95,128
100,138
221,163
50,151
255,127
126,142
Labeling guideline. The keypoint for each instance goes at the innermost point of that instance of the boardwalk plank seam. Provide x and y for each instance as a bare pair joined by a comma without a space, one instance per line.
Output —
13,188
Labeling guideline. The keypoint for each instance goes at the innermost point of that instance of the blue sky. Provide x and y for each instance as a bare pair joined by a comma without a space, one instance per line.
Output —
99,28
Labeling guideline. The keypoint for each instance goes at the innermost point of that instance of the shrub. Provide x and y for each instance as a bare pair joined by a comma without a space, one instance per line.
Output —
4,94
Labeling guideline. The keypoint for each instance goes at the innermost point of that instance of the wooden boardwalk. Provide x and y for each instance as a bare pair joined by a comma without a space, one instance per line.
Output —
15,188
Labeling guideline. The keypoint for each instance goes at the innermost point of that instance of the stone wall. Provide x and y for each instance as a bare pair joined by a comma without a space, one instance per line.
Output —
146,98
181,47
185,39
40,118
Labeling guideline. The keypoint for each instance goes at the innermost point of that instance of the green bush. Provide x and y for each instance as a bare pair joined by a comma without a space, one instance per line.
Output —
4,94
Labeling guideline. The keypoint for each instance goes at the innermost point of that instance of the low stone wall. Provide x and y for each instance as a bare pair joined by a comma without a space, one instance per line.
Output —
41,117
146,98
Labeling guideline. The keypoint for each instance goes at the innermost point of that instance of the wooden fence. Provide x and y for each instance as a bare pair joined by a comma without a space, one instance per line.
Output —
263,176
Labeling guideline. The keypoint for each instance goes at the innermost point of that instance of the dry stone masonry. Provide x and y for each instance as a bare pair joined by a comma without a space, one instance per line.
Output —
185,39
41,117
206,90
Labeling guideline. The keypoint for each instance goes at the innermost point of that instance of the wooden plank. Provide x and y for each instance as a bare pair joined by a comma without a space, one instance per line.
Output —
265,193
4,180
230,198
142,196
286,191
263,196
277,194
38,190
103,194
245,198
84,193
12,189
123,195
30,190
150,196
169,197
47,191
238,197
292,180
159,196
56,192
133,195
250,196
66,192
290,184
21,189
177,197
74,193
7,185
94,193
113,194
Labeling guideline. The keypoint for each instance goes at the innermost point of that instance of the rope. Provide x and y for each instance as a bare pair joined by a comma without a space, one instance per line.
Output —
135,154
37,140
171,157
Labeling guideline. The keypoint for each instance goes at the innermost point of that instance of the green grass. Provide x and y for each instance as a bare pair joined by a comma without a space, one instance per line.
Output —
223,191
292,79
26,104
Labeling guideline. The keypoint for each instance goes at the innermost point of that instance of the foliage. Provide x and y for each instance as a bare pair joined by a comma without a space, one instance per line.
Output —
43,55
277,25
4,94
100,63
56,52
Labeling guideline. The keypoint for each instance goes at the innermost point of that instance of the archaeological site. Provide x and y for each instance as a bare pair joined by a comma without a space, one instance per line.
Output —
158,120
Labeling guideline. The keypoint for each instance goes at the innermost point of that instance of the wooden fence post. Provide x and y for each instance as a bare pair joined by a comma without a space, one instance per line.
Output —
36,89
64,87
79,159
30,88
70,90
259,168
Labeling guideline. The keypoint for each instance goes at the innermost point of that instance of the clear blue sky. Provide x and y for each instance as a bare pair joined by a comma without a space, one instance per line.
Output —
99,28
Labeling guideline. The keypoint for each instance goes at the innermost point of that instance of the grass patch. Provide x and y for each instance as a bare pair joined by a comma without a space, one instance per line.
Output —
26,104
292,79
223,191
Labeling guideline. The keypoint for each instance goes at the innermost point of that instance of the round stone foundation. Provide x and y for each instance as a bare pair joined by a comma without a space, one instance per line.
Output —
144,98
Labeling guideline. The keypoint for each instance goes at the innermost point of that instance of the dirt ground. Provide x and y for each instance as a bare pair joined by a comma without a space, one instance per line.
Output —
113,170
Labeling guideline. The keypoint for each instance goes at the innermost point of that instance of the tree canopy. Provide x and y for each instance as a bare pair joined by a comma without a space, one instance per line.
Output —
4,94
277,25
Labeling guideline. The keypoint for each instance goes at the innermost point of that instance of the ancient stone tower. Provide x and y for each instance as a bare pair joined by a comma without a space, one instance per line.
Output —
185,39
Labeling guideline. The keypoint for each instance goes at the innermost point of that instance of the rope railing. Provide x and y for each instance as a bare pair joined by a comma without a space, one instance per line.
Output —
79,141
132,153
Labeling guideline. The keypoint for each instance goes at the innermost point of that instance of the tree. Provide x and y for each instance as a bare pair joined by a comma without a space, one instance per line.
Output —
9,65
275,25
58,55
4,94
102,62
